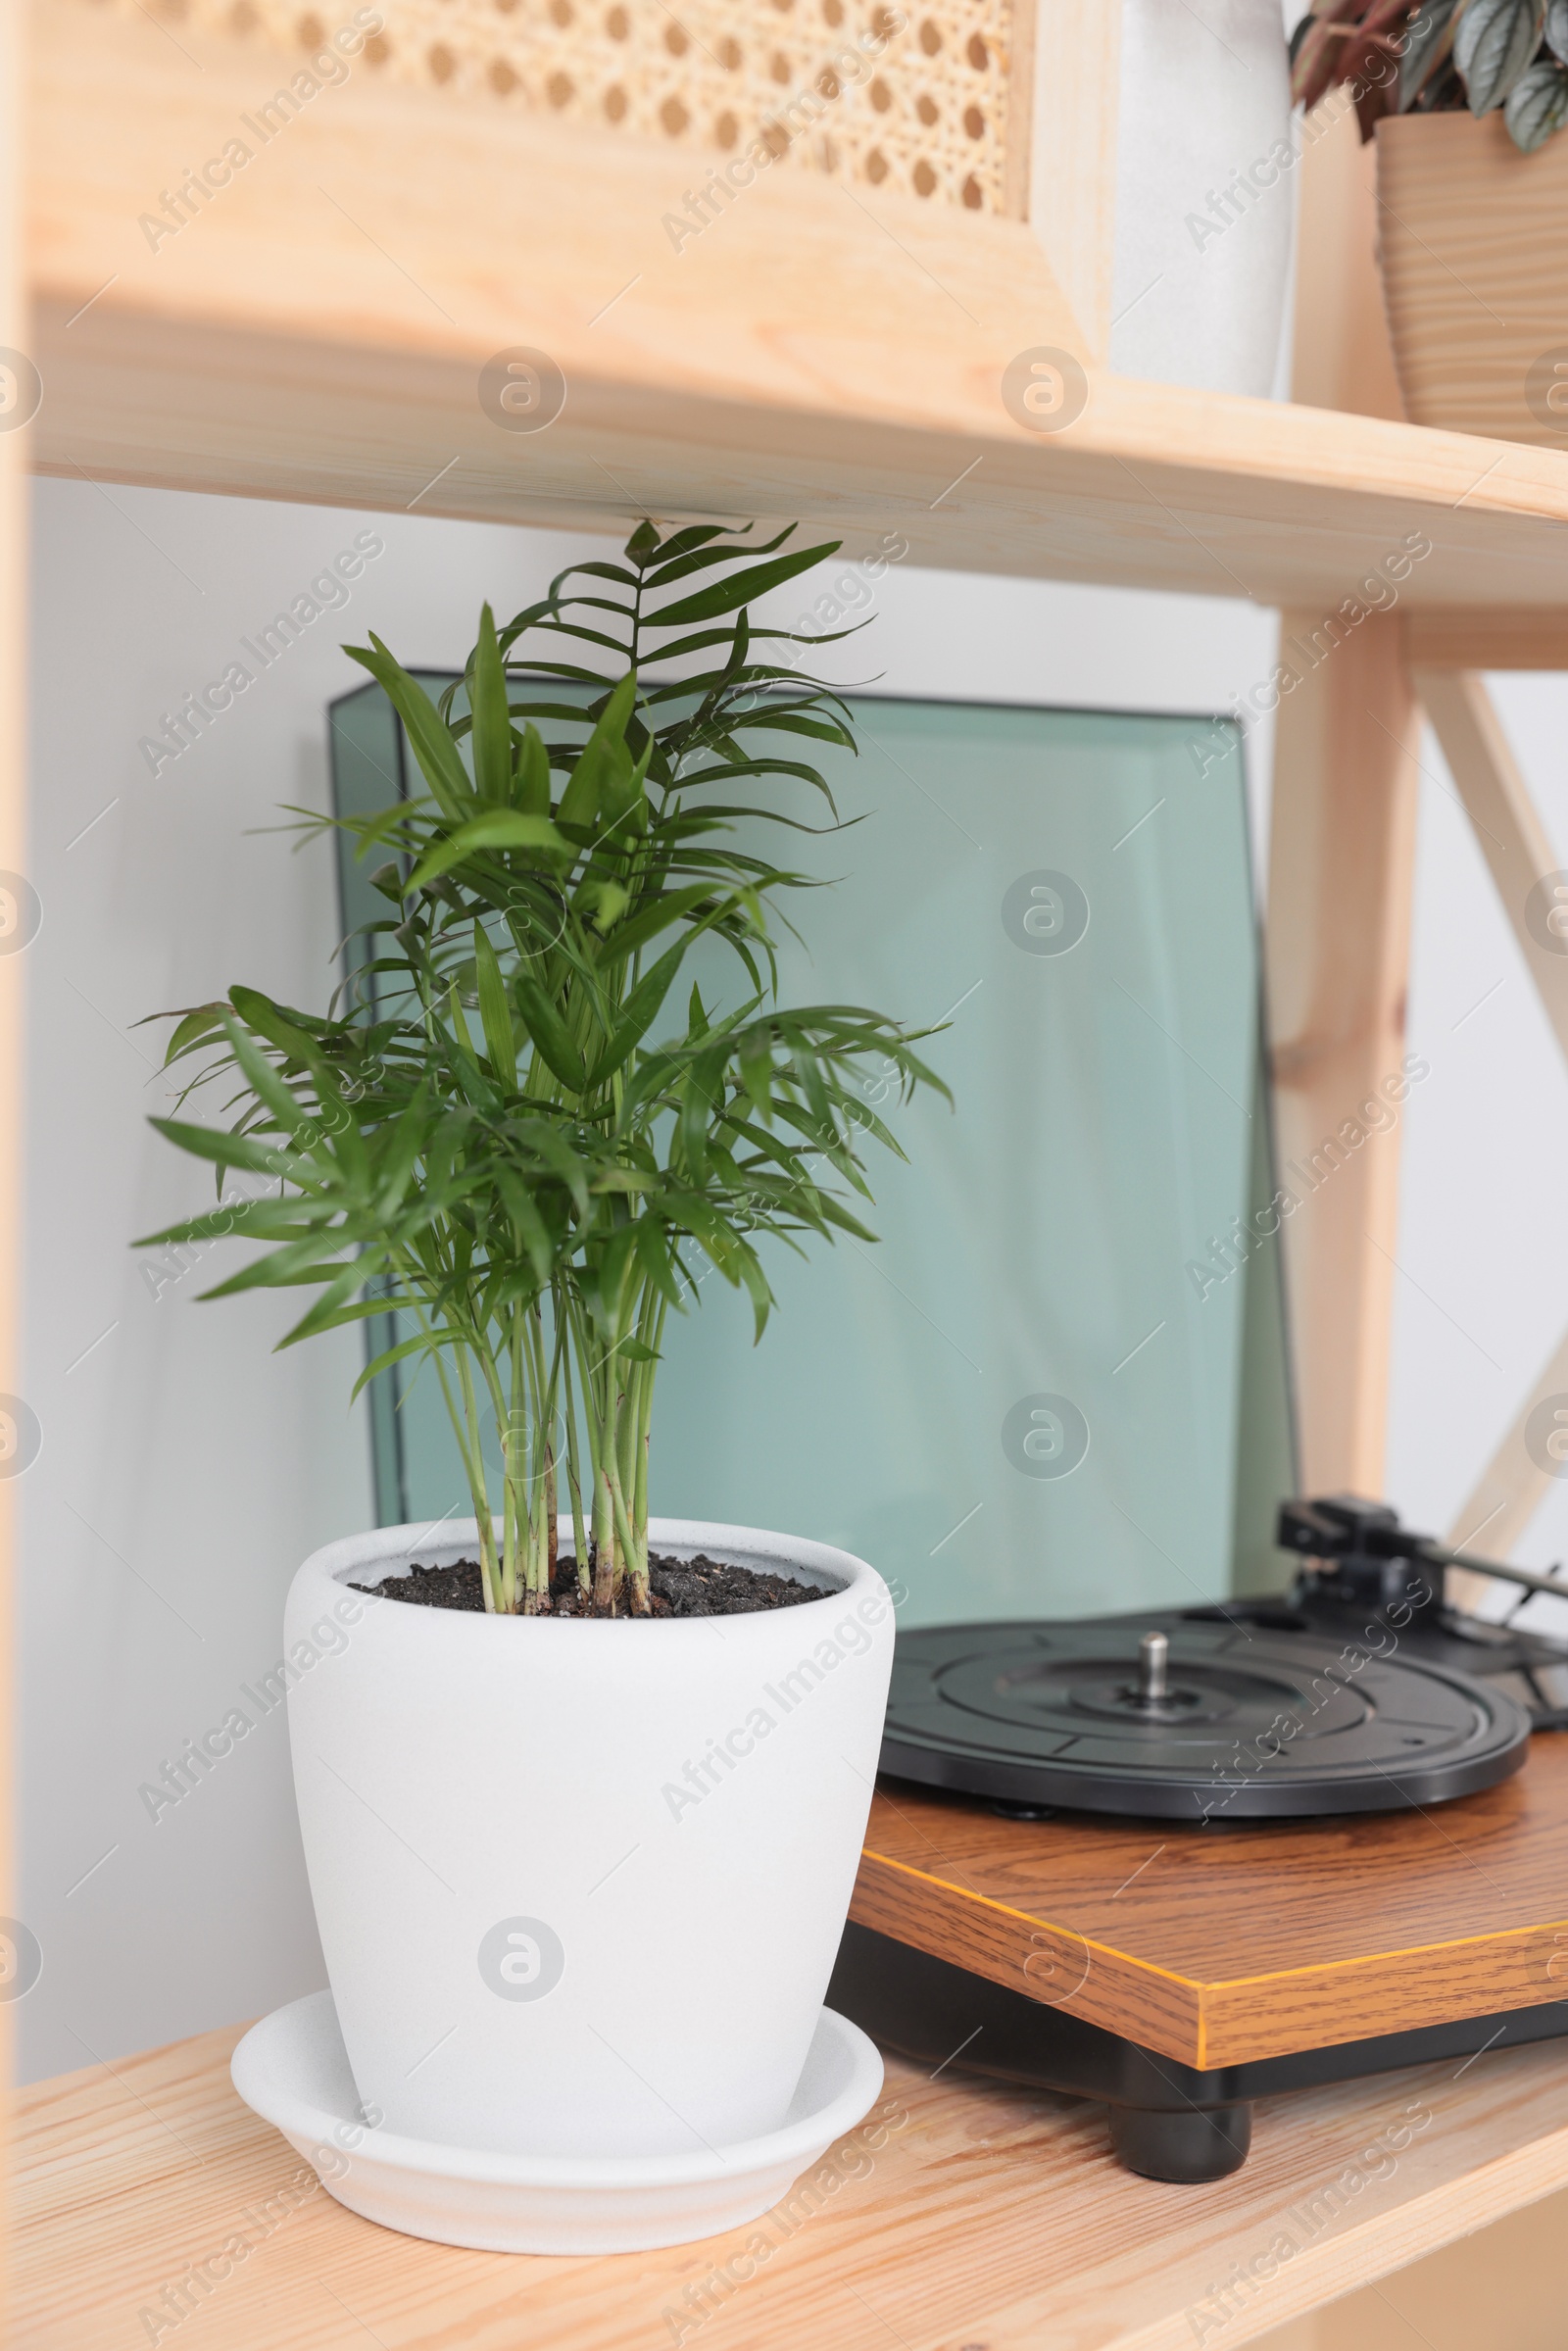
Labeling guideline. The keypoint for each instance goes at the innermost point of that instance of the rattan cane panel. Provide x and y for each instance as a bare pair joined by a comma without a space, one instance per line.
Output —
915,102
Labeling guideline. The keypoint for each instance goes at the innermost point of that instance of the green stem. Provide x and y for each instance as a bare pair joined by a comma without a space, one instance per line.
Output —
489,1566
507,1574
579,1532
626,1385
638,1585
653,1335
605,1564
465,1429
540,1481
596,1388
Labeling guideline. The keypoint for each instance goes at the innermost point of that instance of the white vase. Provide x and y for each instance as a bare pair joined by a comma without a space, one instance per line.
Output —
1207,165
581,1884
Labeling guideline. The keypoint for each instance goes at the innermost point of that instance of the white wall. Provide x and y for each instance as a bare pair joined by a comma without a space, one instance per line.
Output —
1482,1291
185,1469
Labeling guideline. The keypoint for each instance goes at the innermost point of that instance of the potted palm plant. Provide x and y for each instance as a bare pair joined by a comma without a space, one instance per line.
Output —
1465,99
582,1826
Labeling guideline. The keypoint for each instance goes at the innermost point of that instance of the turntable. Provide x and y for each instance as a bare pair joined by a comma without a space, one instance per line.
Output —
1177,1862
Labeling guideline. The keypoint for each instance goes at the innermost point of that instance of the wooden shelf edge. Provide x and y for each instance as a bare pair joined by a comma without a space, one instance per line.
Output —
1322,2267
318,332
932,2226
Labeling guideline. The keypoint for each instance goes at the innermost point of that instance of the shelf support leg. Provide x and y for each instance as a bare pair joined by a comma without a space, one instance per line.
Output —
1342,845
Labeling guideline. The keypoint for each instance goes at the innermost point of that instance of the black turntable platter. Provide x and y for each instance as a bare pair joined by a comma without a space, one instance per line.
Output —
1196,1716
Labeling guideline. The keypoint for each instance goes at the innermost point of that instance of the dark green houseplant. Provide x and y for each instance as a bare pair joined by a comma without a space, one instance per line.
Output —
509,1132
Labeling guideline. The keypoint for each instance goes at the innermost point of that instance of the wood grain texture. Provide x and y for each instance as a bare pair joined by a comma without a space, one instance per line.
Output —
1220,1945
1023,32
1501,2286
1465,222
1342,846
1341,354
15,334
1025,1942
317,332
1495,640
1072,156
989,2216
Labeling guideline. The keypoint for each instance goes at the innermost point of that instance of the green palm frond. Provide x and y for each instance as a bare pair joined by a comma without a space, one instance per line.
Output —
504,1133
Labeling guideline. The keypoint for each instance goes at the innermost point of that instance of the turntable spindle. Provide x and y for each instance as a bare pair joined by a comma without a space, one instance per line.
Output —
1153,1653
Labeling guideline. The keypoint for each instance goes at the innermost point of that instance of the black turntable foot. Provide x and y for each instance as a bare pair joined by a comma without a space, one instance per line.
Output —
1192,2144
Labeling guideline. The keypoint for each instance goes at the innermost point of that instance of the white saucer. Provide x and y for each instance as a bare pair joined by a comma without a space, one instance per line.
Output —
292,2071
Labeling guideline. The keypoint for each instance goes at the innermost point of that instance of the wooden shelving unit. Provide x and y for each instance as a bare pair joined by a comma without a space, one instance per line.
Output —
811,355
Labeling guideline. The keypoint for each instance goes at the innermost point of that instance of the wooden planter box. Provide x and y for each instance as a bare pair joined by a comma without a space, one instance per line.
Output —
1475,275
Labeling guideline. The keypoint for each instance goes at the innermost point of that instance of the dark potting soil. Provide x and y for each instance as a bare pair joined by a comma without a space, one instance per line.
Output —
700,1586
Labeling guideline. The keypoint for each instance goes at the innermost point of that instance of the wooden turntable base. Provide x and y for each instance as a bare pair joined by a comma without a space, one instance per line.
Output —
1222,1946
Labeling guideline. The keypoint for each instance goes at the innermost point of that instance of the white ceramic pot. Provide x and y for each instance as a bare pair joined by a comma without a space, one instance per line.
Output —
580,1885
1206,166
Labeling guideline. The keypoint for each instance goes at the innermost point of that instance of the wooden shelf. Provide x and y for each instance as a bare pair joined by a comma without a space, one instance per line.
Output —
316,334
317,330
1381,1923
990,2217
